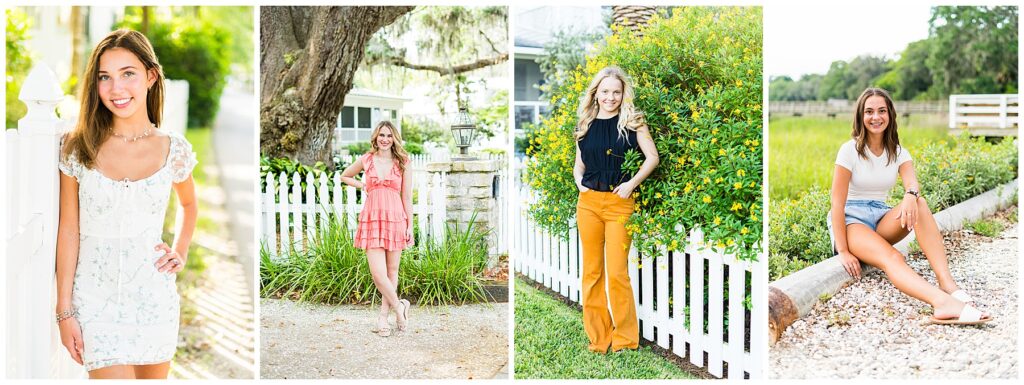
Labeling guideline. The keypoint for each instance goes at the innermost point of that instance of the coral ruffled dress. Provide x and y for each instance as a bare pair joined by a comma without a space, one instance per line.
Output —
382,222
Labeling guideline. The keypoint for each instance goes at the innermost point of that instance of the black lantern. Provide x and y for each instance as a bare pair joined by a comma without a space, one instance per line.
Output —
463,130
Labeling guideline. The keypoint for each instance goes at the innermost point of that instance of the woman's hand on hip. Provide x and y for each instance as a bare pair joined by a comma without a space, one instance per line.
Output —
171,262
625,190
71,338
908,212
850,263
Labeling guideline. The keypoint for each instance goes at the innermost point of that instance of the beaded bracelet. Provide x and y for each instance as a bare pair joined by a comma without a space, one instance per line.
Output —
70,313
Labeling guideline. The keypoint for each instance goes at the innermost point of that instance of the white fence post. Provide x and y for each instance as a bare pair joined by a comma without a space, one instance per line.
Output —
33,347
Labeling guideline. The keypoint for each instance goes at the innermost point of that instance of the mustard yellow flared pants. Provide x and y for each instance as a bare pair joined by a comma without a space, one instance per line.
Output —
601,218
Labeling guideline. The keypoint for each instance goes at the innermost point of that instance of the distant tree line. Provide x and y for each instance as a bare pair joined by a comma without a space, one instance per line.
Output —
968,50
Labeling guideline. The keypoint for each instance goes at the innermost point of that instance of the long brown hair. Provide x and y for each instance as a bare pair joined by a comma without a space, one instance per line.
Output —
95,121
629,117
890,138
398,153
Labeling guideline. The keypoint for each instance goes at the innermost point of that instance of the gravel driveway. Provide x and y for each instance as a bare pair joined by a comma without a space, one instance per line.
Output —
300,340
870,329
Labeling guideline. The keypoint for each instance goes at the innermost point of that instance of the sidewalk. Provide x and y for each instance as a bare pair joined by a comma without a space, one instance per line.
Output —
305,341
870,329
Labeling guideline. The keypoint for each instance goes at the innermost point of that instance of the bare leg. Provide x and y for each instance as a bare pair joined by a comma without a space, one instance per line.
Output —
378,269
930,239
154,371
118,372
873,249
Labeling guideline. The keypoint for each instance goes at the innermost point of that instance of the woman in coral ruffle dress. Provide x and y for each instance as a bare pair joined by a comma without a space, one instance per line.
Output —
385,223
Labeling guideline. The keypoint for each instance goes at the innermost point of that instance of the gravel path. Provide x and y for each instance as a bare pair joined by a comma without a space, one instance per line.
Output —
870,329
300,340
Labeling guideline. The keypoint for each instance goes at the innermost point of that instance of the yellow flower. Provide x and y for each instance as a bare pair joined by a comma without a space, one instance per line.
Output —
741,172
714,140
737,185
744,231
736,206
688,188
707,199
718,220
721,152
739,83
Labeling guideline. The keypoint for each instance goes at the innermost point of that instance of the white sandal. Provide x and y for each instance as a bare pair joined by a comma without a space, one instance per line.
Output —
970,315
962,296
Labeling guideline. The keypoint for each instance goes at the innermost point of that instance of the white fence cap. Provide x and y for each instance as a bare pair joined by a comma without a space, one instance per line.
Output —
41,85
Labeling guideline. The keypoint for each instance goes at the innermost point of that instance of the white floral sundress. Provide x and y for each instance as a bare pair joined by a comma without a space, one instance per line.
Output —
127,309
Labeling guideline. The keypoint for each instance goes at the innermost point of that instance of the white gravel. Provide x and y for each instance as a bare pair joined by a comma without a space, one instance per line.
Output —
871,330
307,341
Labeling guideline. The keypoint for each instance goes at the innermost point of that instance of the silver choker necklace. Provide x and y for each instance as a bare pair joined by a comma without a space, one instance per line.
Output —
136,138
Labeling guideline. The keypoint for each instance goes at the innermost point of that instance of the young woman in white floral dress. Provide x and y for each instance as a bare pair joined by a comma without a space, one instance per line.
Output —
117,303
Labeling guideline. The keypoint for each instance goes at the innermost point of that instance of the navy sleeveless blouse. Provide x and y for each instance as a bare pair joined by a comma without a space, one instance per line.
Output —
603,152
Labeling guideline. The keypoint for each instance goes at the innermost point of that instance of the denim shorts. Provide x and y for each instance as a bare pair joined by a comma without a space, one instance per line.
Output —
865,212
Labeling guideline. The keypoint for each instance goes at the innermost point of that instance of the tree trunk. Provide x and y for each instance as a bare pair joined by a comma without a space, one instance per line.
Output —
633,17
77,40
309,57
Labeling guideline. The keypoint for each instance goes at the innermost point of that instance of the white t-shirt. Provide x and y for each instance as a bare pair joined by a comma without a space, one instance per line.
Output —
872,178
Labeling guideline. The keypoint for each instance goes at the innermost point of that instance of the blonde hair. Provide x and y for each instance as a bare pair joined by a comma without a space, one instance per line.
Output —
629,117
95,121
398,152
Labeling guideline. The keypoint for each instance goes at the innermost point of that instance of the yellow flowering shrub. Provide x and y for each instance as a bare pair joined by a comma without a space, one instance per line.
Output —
697,79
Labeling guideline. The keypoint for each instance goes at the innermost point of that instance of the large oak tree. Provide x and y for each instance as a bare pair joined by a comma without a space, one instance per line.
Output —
309,57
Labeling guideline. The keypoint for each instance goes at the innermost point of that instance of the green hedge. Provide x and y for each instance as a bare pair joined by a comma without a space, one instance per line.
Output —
195,51
697,78
948,172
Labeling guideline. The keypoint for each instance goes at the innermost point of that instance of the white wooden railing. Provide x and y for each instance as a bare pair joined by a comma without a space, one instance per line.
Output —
988,111
33,345
660,293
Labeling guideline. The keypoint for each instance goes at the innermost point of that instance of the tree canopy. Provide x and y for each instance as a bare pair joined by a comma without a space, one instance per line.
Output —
968,50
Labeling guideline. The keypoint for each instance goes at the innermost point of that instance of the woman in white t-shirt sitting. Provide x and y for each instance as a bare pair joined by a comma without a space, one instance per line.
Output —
864,228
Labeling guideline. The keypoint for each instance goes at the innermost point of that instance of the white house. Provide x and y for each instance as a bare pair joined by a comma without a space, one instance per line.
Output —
362,110
535,27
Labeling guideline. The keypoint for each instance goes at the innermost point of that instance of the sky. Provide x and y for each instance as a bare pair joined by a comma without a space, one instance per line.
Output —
803,39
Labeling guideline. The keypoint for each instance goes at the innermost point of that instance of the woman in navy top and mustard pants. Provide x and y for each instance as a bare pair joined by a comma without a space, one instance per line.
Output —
608,127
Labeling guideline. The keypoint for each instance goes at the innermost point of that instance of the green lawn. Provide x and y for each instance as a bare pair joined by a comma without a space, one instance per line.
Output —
550,344
802,150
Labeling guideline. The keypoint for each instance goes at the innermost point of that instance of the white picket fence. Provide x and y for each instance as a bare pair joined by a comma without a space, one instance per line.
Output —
290,215
988,110
660,293
33,345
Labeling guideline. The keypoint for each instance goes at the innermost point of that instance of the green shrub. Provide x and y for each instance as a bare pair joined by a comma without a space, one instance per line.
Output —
19,62
697,78
197,51
949,173
333,271
952,174
289,167
799,233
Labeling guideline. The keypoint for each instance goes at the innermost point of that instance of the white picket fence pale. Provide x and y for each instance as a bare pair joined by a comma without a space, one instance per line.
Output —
660,292
984,110
32,184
